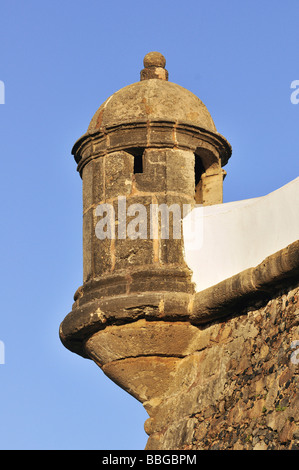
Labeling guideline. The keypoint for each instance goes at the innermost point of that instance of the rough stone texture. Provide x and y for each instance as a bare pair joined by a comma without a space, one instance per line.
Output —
143,356
152,99
239,390
209,190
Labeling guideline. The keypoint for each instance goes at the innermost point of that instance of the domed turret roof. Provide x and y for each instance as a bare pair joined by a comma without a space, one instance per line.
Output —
153,98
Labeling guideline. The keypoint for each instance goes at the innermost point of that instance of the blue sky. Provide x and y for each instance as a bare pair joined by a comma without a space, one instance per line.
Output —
59,61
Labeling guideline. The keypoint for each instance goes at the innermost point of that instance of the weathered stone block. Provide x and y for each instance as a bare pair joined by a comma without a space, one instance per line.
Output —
154,172
133,243
209,191
88,237
143,377
102,255
97,254
161,135
142,338
118,174
170,211
93,177
180,176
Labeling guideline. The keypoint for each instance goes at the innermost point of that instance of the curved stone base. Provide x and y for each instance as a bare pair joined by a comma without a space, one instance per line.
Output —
88,318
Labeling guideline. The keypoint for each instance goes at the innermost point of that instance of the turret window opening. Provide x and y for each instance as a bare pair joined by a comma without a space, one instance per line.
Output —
137,153
138,164
198,169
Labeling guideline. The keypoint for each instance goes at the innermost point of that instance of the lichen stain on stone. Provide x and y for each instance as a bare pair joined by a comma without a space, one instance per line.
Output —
148,109
193,116
99,119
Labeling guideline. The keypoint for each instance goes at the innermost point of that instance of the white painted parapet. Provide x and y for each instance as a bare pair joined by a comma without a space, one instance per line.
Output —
238,235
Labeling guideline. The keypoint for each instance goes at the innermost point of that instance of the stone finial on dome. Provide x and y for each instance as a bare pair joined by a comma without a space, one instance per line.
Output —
154,67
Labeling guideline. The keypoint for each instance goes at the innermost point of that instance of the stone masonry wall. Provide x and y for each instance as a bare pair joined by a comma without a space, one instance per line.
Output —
259,404
244,392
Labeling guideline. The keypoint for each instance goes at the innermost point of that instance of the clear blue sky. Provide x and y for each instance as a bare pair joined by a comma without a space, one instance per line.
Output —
59,61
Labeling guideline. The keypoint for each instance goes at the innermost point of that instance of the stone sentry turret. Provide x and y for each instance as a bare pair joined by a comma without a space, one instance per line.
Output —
151,145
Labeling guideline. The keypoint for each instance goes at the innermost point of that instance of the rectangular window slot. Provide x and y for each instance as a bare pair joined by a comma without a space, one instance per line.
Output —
138,164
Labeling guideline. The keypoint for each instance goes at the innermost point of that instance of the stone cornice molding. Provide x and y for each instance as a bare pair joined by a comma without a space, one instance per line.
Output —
145,134
246,288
